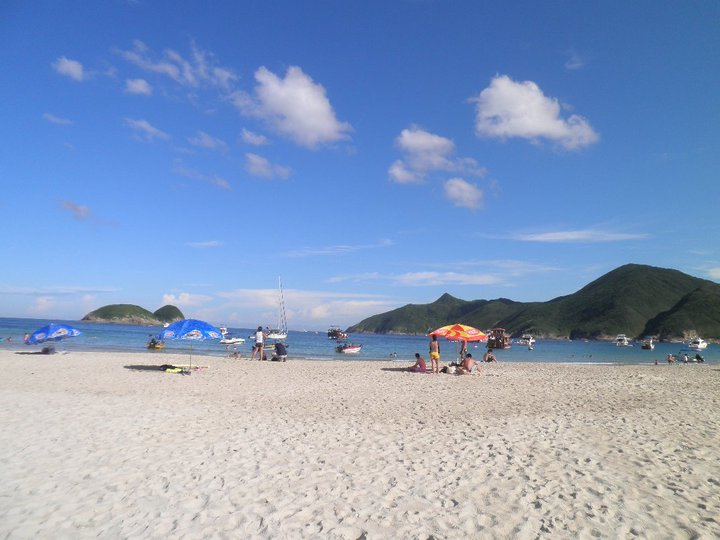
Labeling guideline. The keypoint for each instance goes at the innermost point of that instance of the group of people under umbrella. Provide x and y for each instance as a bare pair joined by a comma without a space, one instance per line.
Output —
465,364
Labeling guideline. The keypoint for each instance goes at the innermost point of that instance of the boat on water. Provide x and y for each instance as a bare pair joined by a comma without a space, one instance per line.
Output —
498,339
348,348
697,344
527,339
154,344
622,341
648,344
334,332
230,340
223,330
281,332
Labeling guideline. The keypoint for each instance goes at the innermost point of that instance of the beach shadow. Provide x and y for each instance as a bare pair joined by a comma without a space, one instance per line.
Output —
164,368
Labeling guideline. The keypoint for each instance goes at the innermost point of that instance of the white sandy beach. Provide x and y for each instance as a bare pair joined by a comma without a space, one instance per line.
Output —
355,449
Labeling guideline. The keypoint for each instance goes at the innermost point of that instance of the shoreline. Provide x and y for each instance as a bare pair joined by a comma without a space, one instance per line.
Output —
94,446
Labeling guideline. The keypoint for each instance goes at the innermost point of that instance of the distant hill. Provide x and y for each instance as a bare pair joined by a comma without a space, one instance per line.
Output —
132,314
634,299
169,314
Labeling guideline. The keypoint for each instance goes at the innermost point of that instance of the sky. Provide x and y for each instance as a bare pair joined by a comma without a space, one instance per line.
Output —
369,154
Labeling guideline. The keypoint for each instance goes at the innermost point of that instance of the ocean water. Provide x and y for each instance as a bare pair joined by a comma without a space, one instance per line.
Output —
316,345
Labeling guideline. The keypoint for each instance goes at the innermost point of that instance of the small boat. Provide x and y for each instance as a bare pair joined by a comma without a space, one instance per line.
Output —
647,344
622,341
498,339
527,340
157,345
348,348
230,340
223,330
334,332
697,344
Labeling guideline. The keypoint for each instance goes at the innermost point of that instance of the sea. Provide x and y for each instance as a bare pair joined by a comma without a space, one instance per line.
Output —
315,345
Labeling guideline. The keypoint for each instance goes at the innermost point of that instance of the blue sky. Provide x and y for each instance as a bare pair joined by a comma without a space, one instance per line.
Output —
373,154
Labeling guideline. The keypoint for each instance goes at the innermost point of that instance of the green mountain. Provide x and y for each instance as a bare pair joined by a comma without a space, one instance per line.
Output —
169,314
132,314
634,299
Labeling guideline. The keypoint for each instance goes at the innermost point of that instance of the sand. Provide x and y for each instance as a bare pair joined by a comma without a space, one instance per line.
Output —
91,448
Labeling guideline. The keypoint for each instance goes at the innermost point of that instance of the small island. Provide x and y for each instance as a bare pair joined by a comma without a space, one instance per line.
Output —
132,314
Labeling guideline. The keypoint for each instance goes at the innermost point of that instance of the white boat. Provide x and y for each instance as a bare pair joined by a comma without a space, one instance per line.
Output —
229,340
622,341
334,332
348,348
648,344
281,332
527,340
223,330
697,344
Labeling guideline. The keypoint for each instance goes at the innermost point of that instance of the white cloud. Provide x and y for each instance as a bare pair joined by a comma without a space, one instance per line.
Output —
69,68
42,305
186,300
714,273
254,138
424,152
579,236
78,211
259,166
574,61
463,194
146,131
203,140
197,175
294,106
57,120
138,87
205,244
520,109
339,249
417,279
200,69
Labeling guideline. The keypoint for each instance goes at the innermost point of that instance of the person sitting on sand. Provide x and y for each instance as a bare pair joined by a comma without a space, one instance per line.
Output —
419,366
279,353
489,356
469,365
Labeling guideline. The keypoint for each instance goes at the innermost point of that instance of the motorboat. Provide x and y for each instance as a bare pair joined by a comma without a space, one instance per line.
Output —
622,341
527,340
281,332
498,339
223,330
647,344
697,344
348,348
334,332
230,340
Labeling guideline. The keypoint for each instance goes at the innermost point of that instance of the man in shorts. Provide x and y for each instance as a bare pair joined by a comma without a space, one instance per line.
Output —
435,354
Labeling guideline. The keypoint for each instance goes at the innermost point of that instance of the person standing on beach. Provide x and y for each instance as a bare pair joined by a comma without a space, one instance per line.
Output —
435,354
259,344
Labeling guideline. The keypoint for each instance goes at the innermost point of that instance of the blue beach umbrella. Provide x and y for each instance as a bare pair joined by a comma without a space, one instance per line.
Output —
192,330
52,332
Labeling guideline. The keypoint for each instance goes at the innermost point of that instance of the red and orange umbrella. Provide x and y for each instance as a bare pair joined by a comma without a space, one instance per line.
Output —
459,332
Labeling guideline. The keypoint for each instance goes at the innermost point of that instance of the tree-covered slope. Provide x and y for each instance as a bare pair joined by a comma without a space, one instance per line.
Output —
132,314
633,299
